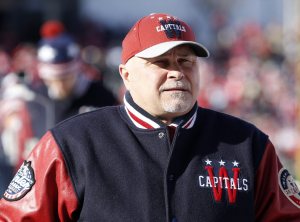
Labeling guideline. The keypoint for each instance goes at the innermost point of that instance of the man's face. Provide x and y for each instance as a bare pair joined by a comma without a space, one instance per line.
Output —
61,88
166,86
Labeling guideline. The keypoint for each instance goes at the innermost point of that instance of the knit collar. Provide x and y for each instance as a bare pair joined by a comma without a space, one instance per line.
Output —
144,120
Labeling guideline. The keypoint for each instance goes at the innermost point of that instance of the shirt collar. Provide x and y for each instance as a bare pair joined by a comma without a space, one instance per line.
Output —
144,120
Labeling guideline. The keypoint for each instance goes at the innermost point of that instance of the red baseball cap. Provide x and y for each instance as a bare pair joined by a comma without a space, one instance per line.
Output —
157,33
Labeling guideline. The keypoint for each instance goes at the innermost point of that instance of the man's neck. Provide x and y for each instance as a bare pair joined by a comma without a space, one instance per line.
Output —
143,119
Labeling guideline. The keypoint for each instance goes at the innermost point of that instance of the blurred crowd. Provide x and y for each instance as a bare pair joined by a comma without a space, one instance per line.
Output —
254,76
249,74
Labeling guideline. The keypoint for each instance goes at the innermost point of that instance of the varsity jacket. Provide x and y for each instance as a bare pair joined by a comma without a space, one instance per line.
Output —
121,164
47,112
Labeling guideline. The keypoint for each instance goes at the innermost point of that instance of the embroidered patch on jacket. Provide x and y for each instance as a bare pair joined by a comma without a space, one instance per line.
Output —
21,183
289,187
223,175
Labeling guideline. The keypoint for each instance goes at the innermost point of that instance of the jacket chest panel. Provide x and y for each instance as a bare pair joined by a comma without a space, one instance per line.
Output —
167,179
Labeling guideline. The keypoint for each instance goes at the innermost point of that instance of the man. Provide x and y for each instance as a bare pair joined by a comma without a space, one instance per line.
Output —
68,89
159,157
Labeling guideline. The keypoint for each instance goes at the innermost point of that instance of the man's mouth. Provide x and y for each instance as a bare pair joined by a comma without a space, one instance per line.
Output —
175,89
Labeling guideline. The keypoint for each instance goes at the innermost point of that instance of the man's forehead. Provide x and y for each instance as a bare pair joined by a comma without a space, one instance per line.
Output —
182,50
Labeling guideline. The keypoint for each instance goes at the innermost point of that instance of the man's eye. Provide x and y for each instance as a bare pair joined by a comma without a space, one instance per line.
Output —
190,58
185,62
161,63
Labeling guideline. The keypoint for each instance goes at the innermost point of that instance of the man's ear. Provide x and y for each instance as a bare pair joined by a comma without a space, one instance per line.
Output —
124,74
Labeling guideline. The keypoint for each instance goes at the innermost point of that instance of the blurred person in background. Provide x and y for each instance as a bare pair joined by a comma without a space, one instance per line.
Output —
46,86
6,170
15,126
24,64
68,85
15,93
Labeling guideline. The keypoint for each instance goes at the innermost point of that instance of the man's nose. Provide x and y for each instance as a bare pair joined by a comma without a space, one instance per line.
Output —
175,74
175,71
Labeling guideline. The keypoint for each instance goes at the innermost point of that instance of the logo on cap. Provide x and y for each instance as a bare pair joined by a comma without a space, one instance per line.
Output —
172,28
156,34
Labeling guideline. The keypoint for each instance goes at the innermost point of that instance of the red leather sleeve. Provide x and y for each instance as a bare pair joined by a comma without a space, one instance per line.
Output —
272,202
52,197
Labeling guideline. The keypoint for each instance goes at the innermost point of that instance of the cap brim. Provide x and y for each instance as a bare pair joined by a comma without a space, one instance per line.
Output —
162,48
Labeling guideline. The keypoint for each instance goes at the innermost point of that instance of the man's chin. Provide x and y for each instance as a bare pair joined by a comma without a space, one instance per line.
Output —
178,106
